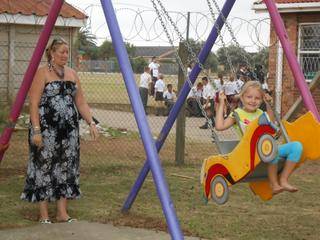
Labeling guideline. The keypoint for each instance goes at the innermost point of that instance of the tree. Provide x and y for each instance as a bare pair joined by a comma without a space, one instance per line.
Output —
138,64
85,40
106,50
237,55
211,61
131,49
261,57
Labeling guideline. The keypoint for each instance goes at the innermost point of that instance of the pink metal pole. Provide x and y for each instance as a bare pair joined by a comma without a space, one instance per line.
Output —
29,74
292,58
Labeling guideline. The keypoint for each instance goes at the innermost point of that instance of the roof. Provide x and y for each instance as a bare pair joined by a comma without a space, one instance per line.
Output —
150,51
288,6
296,1
288,1
38,8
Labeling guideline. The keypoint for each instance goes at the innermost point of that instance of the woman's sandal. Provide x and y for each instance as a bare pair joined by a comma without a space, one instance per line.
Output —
45,221
69,220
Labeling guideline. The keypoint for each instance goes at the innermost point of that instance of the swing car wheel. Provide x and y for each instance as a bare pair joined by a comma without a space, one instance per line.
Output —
219,190
267,148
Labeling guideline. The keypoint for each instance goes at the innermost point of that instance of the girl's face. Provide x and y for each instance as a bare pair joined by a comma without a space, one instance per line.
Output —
61,55
251,99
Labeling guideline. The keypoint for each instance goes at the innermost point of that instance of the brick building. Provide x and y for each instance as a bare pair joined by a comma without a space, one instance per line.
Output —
21,23
302,22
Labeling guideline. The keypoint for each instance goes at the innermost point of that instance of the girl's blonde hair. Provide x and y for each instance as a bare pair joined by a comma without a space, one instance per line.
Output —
251,84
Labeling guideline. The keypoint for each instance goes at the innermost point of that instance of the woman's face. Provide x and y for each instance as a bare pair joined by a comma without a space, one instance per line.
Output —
251,99
61,54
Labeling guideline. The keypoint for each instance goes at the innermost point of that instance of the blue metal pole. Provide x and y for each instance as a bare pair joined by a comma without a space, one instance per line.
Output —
151,151
180,101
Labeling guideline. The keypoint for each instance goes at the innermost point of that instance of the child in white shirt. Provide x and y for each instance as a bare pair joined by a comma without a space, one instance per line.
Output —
145,80
169,98
159,89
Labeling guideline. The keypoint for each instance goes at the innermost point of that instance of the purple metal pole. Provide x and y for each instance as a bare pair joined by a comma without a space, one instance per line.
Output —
151,151
28,76
292,58
180,101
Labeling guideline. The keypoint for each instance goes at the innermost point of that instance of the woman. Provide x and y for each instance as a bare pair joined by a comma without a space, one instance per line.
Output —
56,98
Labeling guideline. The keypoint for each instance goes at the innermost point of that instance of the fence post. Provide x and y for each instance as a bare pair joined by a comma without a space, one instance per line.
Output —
181,119
11,61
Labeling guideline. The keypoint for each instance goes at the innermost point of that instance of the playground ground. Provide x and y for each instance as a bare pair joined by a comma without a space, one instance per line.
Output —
83,231
107,175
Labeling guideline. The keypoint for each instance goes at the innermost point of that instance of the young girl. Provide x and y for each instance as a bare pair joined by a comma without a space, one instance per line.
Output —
251,97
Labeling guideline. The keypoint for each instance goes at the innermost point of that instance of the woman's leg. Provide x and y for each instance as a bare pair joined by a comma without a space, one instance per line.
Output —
43,207
62,214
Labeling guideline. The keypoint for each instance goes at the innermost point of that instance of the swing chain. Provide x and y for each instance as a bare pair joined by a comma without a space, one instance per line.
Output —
181,38
181,65
233,37
221,38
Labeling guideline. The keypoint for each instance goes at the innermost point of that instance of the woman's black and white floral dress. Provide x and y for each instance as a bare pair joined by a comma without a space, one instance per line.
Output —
53,170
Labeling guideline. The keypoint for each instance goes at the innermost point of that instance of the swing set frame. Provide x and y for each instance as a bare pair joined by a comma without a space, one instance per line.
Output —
151,147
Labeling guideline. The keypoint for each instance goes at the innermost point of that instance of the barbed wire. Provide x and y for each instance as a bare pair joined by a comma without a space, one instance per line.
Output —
140,26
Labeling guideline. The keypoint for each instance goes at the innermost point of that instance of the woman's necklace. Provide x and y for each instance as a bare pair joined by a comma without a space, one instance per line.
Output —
59,73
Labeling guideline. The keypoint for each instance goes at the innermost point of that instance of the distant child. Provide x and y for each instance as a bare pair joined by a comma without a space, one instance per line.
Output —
251,97
145,80
219,86
194,95
154,71
208,95
169,97
231,90
159,89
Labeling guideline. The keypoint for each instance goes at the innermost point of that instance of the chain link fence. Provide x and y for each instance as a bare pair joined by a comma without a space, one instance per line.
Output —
106,93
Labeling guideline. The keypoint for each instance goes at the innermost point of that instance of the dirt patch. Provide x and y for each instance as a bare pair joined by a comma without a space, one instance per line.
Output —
141,221
309,167
9,172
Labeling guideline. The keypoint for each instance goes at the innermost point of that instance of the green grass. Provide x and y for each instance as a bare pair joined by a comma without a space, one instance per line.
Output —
105,185
110,88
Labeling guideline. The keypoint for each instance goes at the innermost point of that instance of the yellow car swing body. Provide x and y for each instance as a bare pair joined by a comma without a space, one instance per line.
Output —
248,160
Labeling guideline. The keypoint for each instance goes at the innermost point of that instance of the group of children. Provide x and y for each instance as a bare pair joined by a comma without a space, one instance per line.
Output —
208,93
152,83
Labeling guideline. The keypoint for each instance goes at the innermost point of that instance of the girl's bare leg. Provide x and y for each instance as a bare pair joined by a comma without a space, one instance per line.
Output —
273,178
286,172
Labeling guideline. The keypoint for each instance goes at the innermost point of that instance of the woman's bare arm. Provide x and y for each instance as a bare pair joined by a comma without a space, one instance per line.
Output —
80,101
35,93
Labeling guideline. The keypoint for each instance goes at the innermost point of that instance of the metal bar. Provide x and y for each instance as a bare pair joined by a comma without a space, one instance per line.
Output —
31,70
180,101
278,82
141,119
296,106
188,25
291,57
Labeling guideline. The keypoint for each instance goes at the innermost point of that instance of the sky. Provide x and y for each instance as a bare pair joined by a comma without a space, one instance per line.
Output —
140,25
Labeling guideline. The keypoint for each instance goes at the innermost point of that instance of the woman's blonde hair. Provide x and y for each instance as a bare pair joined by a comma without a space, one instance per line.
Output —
56,42
251,84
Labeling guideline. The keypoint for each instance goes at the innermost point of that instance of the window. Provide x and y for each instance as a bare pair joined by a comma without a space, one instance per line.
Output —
309,49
